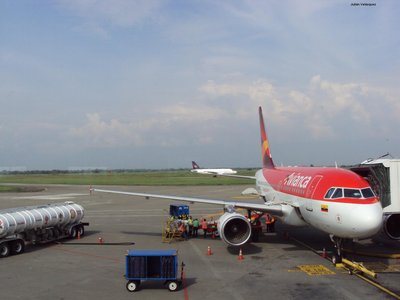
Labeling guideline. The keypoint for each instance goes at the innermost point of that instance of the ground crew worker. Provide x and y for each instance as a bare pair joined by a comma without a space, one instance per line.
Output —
204,227
270,220
182,229
196,224
190,226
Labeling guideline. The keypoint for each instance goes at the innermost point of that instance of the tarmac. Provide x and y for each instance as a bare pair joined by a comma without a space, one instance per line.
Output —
280,266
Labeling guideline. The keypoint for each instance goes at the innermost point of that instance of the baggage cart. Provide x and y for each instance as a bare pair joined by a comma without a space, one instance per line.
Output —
159,265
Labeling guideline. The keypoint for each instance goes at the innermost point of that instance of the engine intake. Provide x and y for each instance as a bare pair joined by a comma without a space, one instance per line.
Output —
234,229
391,226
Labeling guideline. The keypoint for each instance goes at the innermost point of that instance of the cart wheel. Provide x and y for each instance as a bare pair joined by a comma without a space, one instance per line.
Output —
132,285
172,286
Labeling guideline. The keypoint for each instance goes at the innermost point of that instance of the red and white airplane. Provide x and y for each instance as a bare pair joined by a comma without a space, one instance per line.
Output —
336,201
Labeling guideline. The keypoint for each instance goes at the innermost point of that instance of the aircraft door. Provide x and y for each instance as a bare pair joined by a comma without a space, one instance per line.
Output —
310,192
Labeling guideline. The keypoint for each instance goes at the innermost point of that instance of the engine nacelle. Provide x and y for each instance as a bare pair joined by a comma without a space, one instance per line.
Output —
234,229
391,226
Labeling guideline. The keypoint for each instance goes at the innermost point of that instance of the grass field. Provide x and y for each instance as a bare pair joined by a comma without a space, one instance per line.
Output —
177,178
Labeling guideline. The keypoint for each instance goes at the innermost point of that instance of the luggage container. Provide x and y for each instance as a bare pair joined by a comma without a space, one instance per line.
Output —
179,211
159,265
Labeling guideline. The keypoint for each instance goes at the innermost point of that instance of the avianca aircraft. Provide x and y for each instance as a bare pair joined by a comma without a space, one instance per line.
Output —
197,169
336,201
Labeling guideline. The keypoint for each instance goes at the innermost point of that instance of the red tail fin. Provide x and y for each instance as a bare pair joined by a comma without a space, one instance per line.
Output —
266,154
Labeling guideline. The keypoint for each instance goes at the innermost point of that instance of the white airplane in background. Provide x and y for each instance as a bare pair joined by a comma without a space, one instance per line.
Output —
197,169
334,200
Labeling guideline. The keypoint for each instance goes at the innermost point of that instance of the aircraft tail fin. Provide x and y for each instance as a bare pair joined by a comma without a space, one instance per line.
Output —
266,154
194,165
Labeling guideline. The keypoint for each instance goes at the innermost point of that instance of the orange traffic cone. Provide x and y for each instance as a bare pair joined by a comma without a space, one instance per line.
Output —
323,254
209,251
100,240
240,257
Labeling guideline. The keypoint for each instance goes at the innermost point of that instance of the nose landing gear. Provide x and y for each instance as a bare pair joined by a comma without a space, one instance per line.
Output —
337,257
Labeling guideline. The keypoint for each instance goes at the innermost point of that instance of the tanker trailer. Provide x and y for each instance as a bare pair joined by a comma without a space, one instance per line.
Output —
39,224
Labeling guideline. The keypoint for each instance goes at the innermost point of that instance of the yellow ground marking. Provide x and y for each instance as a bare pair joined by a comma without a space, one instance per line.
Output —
314,270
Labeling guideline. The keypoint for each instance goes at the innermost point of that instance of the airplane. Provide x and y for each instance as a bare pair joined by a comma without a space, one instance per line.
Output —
334,200
197,169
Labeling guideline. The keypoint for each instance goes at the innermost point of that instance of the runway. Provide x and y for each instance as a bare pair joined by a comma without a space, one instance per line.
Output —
275,268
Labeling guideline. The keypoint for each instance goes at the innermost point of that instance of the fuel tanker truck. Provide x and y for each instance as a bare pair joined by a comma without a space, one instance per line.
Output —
39,224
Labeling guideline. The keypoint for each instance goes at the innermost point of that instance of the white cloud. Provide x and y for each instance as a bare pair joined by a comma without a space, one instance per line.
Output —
163,126
319,107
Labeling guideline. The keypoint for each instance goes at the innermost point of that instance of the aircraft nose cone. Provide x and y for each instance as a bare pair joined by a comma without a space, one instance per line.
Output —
368,219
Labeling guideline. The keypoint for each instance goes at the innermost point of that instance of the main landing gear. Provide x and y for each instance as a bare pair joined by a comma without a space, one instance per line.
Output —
337,257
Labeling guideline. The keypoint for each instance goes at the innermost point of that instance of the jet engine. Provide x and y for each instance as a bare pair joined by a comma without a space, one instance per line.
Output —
391,226
234,229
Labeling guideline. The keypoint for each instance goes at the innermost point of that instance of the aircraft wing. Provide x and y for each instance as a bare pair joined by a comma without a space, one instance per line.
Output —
215,174
274,209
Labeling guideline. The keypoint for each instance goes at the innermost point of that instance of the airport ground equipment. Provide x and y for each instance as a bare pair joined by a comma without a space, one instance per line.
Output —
179,211
161,265
384,177
39,224
170,232
355,267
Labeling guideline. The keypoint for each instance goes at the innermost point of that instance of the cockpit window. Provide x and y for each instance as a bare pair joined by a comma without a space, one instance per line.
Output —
337,194
352,193
329,193
367,193
334,193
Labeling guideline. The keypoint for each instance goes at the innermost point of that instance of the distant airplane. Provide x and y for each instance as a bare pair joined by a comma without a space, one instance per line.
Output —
334,200
197,169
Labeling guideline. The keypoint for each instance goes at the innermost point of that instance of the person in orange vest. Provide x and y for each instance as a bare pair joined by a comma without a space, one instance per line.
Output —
204,227
270,221
182,229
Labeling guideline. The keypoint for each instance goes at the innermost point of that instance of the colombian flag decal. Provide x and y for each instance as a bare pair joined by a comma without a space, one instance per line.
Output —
324,207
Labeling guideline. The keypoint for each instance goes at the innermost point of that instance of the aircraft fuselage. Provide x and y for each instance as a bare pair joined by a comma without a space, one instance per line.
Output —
334,200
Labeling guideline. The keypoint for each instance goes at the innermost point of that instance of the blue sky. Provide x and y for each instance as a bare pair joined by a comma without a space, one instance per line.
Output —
156,84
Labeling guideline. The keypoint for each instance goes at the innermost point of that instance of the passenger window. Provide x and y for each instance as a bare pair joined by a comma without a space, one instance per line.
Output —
329,193
352,193
338,194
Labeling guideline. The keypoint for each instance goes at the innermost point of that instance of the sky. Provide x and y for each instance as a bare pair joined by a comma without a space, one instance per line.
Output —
154,84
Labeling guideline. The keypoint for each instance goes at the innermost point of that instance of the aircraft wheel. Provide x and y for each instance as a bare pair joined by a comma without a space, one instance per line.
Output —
336,259
132,285
172,286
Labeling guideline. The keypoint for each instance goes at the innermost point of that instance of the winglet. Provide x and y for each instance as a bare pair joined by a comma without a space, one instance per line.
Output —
266,154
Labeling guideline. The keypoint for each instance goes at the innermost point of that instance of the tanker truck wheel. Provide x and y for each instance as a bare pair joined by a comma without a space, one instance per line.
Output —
73,233
81,230
4,250
17,247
